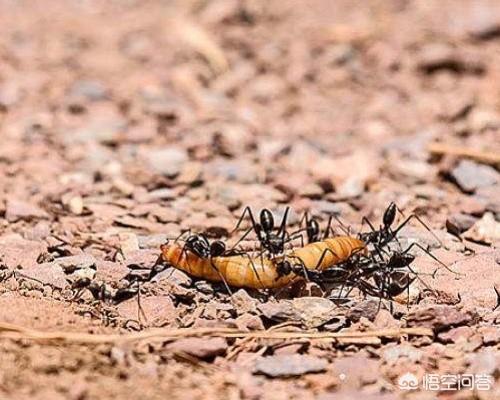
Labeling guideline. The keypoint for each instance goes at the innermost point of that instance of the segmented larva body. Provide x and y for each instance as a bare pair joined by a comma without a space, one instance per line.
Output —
261,272
339,249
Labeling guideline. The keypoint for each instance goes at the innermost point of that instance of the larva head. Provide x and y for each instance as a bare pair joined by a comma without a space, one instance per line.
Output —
165,250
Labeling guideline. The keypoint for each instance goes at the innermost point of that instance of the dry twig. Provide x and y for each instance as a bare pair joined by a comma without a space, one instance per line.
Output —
18,332
488,157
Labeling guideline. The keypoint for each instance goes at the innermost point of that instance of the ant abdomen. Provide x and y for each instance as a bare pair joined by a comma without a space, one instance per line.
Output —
389,215
313,231
266,220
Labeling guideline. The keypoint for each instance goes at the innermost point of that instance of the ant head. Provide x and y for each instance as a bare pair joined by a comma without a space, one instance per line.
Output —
217,248
403,259
390,215
408,258
400,260
266,220
284,268
399,282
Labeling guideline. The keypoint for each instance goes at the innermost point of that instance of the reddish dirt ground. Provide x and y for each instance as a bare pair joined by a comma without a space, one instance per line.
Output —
123,124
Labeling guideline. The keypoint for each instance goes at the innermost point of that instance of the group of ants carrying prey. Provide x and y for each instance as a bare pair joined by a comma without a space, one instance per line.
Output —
372,261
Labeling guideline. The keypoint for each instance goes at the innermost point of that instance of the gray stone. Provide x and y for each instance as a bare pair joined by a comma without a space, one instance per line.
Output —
289,365
471,176
167,161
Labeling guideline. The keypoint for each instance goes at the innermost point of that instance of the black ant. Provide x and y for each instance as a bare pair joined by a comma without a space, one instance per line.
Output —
270,241
313,230
274,242
385,234
382,237
389,277
199,244
387,285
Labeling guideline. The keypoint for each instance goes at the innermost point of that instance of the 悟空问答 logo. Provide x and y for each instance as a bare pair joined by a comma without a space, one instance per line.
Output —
408,381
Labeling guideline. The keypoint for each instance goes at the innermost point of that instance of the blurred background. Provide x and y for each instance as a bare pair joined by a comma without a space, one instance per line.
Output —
328,105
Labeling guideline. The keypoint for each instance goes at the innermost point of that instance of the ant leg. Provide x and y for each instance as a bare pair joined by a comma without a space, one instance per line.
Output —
348,292
346,229
302,267
417,276
368,288
248,211
431,256
241,238
184,252
355,277
140,310
282,228
401,226
379,249
497,292
254,268
304,217
328,227
221,277
383,289
367,221
301,229
260,255
321,261
297,234
346,281
294,236
182,234
323,255
408,294
159,261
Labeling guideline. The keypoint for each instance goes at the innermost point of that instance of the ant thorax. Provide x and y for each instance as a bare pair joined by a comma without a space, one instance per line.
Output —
199,248
274,244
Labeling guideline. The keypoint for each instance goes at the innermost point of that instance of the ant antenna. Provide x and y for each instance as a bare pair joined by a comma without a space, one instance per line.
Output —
345,228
